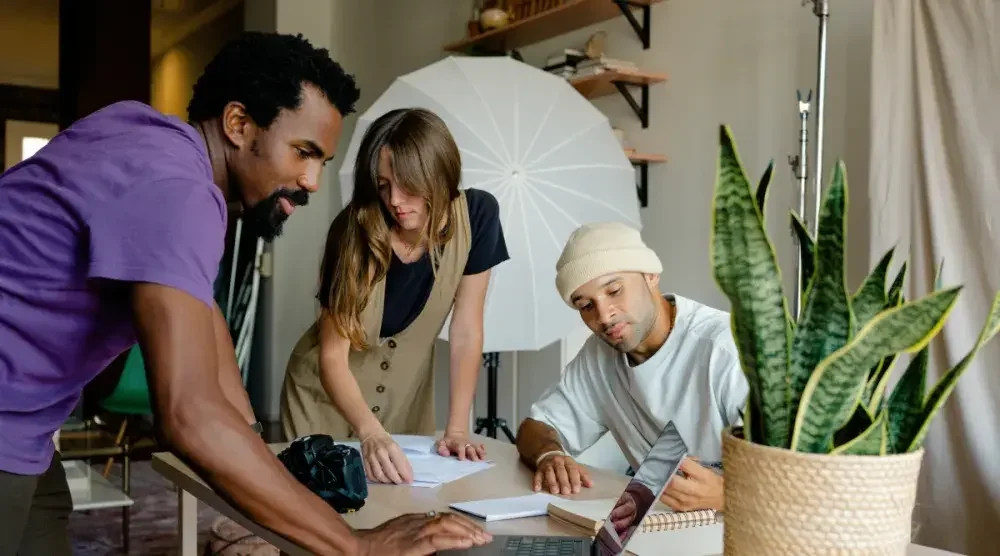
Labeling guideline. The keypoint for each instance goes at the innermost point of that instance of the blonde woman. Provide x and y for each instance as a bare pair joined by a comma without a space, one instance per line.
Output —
409,248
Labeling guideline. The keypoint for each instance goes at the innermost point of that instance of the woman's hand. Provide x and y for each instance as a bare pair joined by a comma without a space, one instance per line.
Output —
457,444
384,460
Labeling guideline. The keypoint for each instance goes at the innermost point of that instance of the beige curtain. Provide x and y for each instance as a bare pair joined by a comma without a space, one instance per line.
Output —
935,194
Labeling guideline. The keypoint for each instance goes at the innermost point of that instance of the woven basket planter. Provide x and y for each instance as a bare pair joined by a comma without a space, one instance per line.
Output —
780,502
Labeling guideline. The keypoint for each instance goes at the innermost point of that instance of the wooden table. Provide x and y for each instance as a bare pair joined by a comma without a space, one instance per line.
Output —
508,477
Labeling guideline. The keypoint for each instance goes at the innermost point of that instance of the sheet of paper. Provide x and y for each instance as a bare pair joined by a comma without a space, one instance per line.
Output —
430,469
514,507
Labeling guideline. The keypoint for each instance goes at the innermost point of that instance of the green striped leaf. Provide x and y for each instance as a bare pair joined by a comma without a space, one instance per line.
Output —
872,442
746,269
765,180
895,296
825,323
805,243
859,422
947,383
836,385
906,402
871,296
877,384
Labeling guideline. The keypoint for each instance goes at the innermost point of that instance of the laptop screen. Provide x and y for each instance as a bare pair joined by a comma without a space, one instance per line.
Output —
642,492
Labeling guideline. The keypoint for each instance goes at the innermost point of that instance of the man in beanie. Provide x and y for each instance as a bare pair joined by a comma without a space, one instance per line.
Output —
652,358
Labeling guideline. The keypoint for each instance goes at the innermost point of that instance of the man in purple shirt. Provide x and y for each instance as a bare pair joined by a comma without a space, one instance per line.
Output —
111,235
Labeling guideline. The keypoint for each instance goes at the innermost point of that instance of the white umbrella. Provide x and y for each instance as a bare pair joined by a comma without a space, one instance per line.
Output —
547,155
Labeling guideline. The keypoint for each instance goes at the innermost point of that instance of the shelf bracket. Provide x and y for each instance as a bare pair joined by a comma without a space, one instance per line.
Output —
641,30
642,188
641,108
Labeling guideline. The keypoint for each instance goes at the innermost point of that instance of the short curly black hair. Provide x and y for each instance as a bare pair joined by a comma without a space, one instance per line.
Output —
266,72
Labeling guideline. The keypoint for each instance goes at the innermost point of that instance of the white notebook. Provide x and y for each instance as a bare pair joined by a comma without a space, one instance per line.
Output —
497,509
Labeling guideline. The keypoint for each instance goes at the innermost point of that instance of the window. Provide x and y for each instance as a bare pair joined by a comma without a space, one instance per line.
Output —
31,145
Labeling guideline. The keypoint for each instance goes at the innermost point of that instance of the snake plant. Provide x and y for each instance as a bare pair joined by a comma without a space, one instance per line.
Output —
818,382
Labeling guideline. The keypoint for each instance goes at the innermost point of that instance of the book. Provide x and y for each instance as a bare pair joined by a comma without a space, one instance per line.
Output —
590,515
514,507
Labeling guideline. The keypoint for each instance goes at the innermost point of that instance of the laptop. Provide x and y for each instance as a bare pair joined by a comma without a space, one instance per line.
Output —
632,507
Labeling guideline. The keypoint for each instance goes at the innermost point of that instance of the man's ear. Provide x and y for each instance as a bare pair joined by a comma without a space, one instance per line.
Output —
237,125
653,280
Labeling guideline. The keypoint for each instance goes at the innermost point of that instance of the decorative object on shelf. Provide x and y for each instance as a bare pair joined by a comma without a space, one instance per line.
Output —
557,18
596,44
828,457
493,18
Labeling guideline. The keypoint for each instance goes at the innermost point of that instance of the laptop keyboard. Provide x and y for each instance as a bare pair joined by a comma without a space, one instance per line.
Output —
544,546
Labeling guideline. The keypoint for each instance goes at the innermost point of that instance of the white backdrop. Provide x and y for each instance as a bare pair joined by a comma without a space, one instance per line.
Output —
935,191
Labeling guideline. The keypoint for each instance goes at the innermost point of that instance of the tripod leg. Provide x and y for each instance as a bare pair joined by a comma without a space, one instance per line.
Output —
510,436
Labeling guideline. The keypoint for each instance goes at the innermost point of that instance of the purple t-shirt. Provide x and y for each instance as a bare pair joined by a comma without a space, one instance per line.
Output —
125,194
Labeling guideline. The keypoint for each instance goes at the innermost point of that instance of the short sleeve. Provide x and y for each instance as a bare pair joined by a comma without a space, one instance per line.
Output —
489,247
570,407
170,233
728,381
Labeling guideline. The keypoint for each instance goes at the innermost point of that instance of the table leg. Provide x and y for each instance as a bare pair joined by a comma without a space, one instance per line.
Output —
187,523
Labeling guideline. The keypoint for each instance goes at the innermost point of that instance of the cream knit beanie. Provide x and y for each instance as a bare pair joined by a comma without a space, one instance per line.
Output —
601,248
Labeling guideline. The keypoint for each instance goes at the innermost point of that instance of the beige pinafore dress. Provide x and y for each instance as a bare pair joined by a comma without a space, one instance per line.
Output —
396,374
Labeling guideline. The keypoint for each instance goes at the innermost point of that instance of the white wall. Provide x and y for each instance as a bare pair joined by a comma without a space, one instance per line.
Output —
738,63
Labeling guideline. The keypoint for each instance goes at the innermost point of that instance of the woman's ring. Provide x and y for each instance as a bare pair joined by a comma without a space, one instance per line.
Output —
432,513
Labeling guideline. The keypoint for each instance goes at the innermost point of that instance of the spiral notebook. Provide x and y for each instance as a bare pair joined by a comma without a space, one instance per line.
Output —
590,514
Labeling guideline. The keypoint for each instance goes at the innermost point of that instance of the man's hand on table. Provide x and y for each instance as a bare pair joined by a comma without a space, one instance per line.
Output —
419,534
559,473
696,487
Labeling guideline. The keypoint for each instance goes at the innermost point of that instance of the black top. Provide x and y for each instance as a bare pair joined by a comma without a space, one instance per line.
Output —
408,286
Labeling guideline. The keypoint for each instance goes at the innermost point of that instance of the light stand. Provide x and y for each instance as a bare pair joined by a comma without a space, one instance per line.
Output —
491,422
800,171
822,10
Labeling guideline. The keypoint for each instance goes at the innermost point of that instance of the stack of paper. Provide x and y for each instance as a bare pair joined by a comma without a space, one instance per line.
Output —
514,507
429,468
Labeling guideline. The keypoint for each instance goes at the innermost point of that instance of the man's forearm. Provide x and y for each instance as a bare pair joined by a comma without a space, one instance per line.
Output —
246,471
466,357
535,438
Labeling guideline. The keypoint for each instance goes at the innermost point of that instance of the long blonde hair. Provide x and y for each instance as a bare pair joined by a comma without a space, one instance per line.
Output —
426,163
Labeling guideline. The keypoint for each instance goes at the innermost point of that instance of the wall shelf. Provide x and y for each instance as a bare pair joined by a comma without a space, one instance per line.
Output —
642,162
607,82
574,14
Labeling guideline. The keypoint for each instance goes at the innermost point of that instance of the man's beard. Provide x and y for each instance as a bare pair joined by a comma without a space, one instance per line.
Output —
640,328
266,219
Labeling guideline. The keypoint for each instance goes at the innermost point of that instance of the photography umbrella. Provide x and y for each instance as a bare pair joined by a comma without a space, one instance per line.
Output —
547,155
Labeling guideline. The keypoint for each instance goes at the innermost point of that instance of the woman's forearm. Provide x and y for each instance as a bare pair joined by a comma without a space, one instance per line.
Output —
339,382
345,394
466,358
